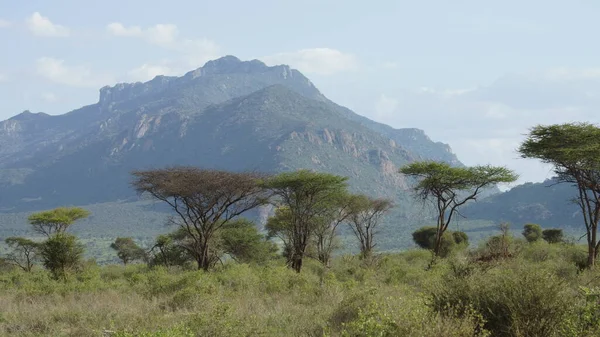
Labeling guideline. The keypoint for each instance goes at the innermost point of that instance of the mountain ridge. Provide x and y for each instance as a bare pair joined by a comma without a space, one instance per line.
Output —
203,118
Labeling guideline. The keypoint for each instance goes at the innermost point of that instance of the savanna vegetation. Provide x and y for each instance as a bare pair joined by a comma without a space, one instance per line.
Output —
218,274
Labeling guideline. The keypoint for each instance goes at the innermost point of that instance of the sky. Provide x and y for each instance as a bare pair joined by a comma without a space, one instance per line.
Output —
474,74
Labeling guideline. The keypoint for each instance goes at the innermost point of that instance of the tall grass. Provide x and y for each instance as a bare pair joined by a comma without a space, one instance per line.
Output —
538,291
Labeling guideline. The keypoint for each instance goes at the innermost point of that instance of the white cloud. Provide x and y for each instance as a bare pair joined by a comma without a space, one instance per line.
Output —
57,71
49,97
486,124
42,26
195,52
320,61
147,71
118,29
3,77
5,23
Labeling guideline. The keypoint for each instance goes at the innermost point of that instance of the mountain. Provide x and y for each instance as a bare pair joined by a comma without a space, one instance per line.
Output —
228,114
548,204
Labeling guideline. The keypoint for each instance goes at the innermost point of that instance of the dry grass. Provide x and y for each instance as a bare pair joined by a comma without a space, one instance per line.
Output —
391,298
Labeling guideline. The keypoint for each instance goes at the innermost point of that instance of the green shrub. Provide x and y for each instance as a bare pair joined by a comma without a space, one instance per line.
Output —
513,301
532,232
425,237
62,255
553,235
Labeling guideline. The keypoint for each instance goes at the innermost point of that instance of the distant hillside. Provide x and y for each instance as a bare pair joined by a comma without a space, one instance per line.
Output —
548,204
228,114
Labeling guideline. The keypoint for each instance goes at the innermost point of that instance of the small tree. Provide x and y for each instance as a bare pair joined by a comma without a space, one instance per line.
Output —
326,227
127,250
203,200
574,151
241,240
553,235
56,220
61,254
365,216
307,197
165,252
24,252
280,226
532,232
452,187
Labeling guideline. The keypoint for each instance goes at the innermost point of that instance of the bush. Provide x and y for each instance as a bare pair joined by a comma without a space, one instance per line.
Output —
553,235
425,237
532,232
513,301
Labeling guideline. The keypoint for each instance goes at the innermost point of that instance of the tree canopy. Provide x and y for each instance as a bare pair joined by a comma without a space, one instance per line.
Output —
307,197
56,220
24,252
203,200
127,250
574,151
364,217
451,187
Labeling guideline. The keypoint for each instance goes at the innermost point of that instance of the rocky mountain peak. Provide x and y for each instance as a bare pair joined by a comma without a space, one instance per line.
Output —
28,115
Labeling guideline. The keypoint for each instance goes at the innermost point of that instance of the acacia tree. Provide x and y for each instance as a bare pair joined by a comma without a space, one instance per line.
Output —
61,254
326,227
364,216
449,187
204,201
574,151
307,197
57,220
127,250
24,252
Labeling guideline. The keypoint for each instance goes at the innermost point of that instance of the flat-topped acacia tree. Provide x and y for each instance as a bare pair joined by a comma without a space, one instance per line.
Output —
574,151
451,187
57,220
204,201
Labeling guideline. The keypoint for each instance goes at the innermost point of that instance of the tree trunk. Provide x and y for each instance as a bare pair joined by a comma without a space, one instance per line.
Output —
591,255
297,263
438,242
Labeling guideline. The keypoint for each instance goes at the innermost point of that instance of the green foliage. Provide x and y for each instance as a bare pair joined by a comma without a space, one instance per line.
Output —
24,252
241,240
532,232
513,301
574,151
364,215
166,252
460,238
538,292
452,187
307,198
553,235
62,255
127,250
56,220
425,238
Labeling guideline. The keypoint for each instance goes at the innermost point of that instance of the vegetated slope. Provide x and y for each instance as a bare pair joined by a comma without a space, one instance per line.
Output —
228,114
548,204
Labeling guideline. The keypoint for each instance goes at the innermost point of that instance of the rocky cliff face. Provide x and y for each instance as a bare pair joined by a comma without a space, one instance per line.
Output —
228,114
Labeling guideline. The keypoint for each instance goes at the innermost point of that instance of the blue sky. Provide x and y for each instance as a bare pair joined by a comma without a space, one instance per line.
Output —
474,74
